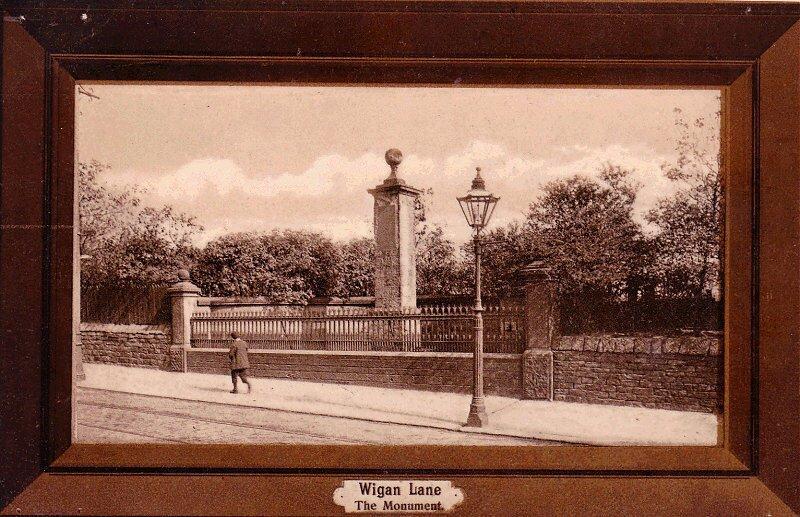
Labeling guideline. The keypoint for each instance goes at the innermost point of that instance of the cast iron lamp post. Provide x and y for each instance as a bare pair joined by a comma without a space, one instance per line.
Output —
478,206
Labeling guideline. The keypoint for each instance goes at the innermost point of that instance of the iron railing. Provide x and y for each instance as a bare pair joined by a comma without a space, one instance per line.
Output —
446,328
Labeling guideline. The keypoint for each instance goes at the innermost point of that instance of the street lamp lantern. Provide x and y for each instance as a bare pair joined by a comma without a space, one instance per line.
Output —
478,206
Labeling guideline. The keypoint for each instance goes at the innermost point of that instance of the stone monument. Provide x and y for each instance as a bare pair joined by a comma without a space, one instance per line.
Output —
393,222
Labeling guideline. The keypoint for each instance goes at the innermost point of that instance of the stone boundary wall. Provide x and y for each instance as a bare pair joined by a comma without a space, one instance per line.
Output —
682,373
143,346
451,372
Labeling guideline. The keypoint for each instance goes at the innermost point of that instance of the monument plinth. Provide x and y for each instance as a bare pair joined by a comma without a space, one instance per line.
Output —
393,224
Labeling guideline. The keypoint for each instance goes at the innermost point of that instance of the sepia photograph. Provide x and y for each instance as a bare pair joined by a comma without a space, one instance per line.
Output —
398,265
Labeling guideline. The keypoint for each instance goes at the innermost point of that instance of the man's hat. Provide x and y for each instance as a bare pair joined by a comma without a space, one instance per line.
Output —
234,335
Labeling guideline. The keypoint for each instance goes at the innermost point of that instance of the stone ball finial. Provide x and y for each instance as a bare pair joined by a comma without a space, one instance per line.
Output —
183,275
393,157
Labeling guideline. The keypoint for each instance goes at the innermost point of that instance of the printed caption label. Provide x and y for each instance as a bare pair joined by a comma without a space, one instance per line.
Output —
397,496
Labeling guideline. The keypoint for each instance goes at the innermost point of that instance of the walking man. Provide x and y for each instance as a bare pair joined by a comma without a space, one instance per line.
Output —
239,362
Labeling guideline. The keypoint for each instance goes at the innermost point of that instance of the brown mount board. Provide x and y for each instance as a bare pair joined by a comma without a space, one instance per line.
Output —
751,52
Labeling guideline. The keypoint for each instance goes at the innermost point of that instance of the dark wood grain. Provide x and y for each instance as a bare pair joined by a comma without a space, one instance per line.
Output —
752,51
685,8
60,242
313,495
21,253
401,459
412,29
407,71
779,264
739,181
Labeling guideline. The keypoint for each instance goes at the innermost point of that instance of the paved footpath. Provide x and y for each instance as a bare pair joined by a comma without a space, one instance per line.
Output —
115,417
442,414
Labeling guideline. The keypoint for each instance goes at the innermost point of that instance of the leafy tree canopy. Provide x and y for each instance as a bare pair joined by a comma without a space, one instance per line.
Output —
356,276
585,228
507,250
689,240
124,242
441,270
283,266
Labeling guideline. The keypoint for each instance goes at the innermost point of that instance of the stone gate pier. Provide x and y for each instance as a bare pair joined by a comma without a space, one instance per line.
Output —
393,222
541,331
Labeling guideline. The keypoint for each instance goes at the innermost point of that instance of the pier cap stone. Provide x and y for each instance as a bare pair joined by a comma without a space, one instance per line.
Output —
537,269
394,157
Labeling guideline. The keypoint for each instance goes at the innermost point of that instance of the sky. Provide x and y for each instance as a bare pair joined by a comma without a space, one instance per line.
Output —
263,157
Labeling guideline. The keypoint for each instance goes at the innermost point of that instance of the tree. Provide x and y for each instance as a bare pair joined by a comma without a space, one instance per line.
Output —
441,271
690,222
507,250
101,209
282,266
125,242
440,268
356,275
585,228
421,207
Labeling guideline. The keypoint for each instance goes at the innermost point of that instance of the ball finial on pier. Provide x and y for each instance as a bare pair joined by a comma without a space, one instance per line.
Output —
393,157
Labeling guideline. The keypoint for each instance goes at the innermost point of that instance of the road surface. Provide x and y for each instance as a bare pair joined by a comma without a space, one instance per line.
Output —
115,417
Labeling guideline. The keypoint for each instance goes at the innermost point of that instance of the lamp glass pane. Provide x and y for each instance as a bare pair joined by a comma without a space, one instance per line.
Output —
490,207
464,204
484,210
477,210
475,206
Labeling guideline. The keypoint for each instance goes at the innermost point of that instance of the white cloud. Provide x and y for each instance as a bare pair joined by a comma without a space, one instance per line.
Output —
330,195
223,176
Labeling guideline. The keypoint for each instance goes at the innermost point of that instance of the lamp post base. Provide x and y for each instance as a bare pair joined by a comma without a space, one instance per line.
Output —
477,414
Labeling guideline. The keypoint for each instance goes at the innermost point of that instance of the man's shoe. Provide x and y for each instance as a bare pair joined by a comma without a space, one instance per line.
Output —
234,391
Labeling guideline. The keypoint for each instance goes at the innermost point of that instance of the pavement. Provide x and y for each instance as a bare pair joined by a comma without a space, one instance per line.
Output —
590,424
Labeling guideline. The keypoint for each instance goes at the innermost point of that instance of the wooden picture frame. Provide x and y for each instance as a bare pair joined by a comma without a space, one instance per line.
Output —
751,52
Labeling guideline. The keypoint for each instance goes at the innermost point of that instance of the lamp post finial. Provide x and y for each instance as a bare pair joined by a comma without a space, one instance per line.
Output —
477,181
